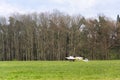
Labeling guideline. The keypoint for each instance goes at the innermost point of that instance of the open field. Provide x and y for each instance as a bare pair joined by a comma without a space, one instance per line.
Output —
60,70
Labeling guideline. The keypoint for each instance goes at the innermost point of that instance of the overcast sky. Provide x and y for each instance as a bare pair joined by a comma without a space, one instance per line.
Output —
87,8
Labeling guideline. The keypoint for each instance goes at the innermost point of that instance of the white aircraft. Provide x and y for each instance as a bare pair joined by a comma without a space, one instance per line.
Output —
71,58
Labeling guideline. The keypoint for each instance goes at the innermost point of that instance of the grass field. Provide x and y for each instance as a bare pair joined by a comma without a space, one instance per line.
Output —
60,70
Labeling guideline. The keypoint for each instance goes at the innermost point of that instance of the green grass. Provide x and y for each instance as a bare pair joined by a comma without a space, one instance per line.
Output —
60,70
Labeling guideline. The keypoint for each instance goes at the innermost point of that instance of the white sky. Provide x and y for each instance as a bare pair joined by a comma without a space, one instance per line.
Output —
87,8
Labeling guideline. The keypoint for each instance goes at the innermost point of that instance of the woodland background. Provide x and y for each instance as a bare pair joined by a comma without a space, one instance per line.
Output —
53,36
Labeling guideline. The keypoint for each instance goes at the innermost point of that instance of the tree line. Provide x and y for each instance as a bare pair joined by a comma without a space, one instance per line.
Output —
53,36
